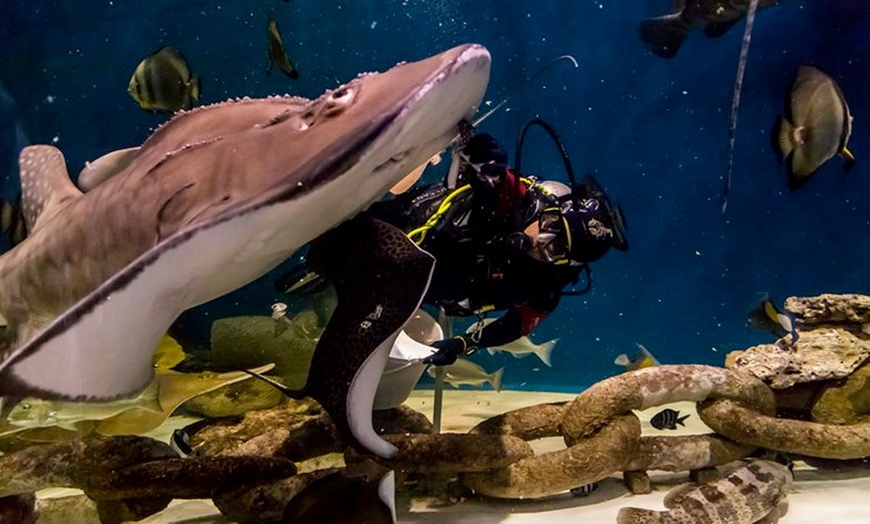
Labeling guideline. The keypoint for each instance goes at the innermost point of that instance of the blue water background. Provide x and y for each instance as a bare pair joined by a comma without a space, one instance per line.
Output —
654,131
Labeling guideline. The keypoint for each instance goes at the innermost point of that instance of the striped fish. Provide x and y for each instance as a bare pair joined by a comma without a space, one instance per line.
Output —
163,82
585,490
668,419
748,494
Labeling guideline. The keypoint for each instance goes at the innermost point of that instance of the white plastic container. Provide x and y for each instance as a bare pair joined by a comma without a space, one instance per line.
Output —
404,366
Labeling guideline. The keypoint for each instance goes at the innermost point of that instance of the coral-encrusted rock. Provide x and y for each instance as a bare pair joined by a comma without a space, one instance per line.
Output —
282,432
830,309
847,402
820,354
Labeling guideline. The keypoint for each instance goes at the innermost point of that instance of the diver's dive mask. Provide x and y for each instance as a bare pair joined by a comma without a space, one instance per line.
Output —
551,244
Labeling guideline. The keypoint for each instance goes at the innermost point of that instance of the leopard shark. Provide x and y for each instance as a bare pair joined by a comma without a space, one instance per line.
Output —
212,200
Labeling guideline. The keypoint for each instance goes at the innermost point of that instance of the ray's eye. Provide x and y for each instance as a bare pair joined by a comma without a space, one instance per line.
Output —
339,100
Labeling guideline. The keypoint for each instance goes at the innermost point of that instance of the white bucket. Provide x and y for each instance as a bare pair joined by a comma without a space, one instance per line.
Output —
405,366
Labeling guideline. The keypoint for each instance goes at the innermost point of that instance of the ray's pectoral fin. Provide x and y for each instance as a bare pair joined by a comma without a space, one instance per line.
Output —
380,277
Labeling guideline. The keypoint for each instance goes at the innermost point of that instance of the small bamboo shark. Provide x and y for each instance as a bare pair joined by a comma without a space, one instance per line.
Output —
214,199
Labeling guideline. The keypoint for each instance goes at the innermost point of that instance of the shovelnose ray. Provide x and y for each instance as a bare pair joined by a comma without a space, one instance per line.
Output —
213,199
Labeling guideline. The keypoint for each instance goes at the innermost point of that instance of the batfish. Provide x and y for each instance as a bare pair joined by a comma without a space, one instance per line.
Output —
215,198
665,34
817,126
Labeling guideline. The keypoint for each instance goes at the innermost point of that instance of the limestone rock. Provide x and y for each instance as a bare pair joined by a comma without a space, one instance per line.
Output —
847,402
830,309
63,510
290,431
820,354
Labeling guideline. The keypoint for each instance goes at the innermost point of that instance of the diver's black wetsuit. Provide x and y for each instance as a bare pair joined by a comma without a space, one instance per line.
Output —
476,268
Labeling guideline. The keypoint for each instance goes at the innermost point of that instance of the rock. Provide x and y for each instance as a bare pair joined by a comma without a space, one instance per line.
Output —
63,510
830,309
74,464
295,430
20,509
188,478
847,402
823,353
400,420
246,342
637,482
266,502
235,399
120,511
450,452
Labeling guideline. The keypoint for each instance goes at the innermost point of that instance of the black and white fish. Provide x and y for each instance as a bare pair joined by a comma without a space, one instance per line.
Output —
180,442
668,419
164,83
584,490
748,494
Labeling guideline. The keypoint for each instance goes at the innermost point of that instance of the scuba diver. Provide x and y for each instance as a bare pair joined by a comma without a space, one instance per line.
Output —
503,241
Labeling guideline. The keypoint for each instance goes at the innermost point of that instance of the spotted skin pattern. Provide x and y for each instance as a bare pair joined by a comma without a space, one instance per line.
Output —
749,493
379,276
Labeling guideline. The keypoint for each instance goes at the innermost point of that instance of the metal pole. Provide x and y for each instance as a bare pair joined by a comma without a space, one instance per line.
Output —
446,323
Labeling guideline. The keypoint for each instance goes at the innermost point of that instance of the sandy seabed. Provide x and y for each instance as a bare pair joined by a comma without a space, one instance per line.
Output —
818,496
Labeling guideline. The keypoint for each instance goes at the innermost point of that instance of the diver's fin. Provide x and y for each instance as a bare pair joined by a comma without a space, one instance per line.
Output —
45,184
717,29
664,35
98,171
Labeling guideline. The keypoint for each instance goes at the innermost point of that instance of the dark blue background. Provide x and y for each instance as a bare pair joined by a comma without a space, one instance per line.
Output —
654,131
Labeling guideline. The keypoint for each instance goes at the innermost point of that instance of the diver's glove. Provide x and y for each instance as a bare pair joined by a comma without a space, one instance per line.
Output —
449,350
486,157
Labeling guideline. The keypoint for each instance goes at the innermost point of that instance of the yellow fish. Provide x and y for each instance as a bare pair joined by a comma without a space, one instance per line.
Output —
163,82
643,359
